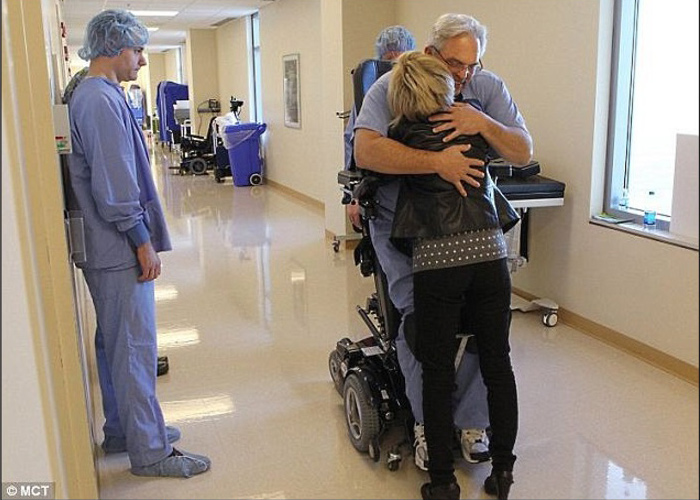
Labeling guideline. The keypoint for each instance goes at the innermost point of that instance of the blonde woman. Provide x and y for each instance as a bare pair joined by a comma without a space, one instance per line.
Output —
459,264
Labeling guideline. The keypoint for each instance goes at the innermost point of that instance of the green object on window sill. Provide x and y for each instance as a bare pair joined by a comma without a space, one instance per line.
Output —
605,217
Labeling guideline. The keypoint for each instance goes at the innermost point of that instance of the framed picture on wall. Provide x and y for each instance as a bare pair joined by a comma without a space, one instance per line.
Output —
292,92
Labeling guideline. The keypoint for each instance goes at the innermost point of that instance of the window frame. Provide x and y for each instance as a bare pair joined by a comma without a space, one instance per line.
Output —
624,48
256,111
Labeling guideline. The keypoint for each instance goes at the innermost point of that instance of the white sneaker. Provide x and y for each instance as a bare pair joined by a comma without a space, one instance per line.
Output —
475,445
420,447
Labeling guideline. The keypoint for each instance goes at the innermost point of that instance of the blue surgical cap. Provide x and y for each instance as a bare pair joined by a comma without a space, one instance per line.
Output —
394,39
111,31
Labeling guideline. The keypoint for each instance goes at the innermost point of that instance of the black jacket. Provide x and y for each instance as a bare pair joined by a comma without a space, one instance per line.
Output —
430,207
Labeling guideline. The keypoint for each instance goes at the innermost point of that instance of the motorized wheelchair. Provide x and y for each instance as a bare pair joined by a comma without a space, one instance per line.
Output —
199,154
366,373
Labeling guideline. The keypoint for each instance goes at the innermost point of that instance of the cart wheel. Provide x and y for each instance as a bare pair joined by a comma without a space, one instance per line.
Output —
336,245
393,465
361,418
255,179
198,166
550,318
334,366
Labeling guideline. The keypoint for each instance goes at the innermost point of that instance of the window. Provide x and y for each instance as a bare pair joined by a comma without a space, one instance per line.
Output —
179,65
256,108
654,97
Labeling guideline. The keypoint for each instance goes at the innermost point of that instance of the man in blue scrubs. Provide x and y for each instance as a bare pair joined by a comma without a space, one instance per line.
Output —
469,398
496,117
110,178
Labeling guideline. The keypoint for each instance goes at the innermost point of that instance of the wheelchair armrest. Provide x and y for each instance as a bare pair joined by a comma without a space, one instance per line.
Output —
349,178
498,170
501,168
362,186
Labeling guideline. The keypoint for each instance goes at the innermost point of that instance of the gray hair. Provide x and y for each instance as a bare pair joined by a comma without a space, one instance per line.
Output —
111,31
394,39
451,25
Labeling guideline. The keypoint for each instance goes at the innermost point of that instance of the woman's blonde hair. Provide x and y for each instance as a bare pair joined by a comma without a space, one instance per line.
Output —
420,86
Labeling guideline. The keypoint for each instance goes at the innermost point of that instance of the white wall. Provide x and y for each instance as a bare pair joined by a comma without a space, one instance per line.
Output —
232,57
156,73
171,67
203,74
360,32
293,155
554,56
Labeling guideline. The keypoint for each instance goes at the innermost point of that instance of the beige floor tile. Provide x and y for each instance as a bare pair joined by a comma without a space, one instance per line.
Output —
253,299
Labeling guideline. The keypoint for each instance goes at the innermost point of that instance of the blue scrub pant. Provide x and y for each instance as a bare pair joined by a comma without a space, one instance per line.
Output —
470,409
127,358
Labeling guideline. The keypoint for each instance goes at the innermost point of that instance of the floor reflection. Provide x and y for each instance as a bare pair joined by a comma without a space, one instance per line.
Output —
252,300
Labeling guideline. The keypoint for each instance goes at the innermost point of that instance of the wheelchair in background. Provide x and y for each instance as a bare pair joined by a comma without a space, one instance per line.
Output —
199,154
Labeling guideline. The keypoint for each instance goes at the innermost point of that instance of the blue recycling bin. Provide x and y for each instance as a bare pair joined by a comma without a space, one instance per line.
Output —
242,141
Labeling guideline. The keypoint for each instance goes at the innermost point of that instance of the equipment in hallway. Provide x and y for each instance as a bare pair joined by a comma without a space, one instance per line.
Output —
167,94
242,141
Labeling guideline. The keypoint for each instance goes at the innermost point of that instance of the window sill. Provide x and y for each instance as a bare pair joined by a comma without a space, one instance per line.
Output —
653,234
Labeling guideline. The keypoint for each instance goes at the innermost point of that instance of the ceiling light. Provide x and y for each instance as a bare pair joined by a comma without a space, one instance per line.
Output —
154,13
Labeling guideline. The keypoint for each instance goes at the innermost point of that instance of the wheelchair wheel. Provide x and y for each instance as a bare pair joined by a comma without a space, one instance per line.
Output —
361,417
198,166
334,362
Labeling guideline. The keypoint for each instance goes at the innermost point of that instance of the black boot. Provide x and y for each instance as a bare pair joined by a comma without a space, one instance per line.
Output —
440,492
498,484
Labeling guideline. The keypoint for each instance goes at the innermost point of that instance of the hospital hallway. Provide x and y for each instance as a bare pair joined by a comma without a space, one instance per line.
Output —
253,299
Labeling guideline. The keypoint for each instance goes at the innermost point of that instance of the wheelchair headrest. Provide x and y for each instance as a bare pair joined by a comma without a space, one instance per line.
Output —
364,75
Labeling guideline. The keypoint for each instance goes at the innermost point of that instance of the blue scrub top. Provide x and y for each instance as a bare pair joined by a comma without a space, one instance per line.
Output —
111,178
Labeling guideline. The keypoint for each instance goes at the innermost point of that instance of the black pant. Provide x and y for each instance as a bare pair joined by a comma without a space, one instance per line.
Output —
440,297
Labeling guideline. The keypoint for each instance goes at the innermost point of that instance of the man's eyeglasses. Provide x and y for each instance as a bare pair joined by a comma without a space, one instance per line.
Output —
456,65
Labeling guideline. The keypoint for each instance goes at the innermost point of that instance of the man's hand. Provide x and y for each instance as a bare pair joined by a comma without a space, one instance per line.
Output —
149,262
462,118
455,168
381,154
511,143
353,210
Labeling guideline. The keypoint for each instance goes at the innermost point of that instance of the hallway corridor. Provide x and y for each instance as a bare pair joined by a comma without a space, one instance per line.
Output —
251,301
